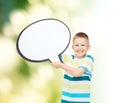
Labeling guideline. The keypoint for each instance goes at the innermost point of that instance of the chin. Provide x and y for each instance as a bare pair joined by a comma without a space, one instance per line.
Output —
80,56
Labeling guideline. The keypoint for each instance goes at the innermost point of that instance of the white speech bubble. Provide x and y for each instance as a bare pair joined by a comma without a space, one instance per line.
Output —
43,40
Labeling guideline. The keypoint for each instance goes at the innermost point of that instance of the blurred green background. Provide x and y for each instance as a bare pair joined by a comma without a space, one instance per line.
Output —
22,81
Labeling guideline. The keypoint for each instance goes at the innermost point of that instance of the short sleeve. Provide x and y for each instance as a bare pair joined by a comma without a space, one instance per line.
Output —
62,58
87,64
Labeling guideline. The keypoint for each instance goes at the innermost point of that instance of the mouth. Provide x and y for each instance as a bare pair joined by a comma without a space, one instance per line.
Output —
80,51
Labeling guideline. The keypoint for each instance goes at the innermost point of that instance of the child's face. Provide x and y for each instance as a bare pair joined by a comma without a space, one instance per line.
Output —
80,47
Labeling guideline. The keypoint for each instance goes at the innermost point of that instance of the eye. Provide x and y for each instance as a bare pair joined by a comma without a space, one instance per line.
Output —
82,44
76,45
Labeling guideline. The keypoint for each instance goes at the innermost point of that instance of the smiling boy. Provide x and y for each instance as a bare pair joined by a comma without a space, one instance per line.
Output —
78,71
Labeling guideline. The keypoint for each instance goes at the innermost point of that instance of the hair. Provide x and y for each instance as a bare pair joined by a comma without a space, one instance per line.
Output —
81,35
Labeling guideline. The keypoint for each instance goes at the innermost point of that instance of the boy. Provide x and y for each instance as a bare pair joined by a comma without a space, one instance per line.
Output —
78,68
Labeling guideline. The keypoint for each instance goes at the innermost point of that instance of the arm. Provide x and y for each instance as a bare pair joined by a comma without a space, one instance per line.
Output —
69,69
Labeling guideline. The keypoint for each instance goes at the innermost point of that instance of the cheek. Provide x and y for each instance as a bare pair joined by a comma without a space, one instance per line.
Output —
74,48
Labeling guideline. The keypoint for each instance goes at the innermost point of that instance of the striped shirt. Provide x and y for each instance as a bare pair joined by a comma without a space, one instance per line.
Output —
77,89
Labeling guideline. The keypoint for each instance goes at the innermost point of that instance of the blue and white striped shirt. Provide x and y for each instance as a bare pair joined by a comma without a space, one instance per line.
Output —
77,89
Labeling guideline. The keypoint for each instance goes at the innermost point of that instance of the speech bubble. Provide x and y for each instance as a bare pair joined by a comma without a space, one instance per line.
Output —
43,40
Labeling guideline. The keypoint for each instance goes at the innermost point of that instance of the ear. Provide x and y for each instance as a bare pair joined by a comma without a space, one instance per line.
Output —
89,46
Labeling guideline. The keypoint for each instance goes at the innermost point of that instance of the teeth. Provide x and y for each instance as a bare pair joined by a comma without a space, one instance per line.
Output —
80,51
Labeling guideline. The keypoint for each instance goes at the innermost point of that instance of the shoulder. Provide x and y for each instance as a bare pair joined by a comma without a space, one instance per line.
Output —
90,57
64,57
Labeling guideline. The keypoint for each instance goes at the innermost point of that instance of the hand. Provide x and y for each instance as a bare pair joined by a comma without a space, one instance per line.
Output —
57,64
